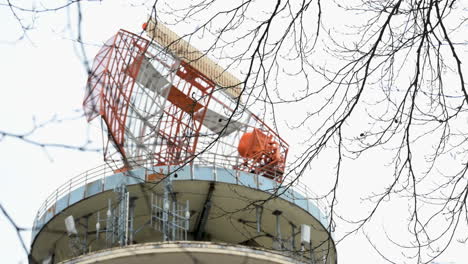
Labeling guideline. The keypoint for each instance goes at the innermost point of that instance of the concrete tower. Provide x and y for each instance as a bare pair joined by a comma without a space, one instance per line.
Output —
191,175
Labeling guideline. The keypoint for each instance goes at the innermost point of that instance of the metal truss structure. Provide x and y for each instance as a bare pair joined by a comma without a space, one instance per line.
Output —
116,225
162,108
168,216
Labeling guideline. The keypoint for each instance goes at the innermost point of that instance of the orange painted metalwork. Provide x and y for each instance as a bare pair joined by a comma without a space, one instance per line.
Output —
155,177
122,169
262,154
181,100
156,106
110,90
109,87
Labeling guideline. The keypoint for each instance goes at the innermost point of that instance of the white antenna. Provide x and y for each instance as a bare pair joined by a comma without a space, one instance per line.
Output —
305,234
47,260
70,226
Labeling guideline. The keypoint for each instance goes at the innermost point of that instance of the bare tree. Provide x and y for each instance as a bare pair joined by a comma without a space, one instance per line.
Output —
370,75
26,16
393,80
31,131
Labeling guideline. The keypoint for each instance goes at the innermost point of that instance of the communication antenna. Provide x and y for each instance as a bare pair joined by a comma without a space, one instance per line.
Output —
163,102
76,244
70,226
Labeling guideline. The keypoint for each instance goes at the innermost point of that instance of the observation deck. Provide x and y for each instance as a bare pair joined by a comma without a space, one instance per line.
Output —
230,213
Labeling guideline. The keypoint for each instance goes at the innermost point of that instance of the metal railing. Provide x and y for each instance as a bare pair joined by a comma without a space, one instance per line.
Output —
82,179
105,170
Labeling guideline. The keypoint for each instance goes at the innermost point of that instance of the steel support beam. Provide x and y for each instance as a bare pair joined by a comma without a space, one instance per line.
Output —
200,228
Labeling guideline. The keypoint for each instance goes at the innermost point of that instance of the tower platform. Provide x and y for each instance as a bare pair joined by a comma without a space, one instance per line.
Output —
184,252
231,216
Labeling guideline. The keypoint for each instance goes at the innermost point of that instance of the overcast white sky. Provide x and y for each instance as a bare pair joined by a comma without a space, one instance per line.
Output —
42,76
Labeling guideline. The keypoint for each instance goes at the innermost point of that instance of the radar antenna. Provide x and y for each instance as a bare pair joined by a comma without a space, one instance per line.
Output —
164,102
